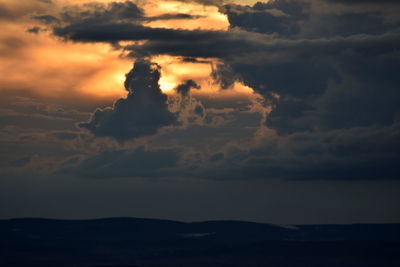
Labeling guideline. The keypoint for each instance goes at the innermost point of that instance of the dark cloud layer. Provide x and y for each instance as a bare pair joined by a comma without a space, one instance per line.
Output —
98,13
362,153
311,19
143,111
127,163
114,12
359,153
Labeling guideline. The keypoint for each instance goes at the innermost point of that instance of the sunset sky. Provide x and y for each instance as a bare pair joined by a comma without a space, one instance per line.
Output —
280,111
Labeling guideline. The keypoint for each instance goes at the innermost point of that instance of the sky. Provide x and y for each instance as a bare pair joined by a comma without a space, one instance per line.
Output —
280,111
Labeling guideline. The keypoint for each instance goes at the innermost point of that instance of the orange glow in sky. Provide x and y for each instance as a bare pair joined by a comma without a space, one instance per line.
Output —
208,17
52,67
175,72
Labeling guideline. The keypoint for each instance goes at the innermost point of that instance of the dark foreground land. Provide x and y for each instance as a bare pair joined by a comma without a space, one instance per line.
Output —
145,242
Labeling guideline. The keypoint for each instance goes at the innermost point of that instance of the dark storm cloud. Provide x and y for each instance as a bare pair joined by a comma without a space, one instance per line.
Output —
195,43
111,24
283,56
143,111
328,83
225,45
311,19
333,68
112,32
328,68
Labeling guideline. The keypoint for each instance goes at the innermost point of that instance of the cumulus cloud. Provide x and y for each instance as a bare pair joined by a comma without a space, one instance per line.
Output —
143,112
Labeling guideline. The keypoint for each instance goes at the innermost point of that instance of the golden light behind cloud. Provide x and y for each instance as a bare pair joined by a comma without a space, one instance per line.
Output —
52,67
205,17
174,71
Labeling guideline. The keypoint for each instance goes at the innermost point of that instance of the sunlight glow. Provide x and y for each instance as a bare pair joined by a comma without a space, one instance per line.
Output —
207,17
174,71
55,68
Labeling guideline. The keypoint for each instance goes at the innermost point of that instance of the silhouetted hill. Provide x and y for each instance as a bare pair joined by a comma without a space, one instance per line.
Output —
150,242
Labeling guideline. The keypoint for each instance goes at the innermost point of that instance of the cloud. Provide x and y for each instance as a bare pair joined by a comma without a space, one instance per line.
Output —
140,162
205,2
327,83
100,13
142,113
280,17
189,109
172,16
14,11
113,12
88,31
184,89
46,19
347,154
34,30
332,66
363,153
326,68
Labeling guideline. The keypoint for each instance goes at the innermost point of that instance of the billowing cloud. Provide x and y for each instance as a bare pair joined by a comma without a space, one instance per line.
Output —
337,72
142,112
324,75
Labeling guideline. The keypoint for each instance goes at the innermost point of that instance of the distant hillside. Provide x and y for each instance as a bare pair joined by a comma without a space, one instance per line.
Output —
149,242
